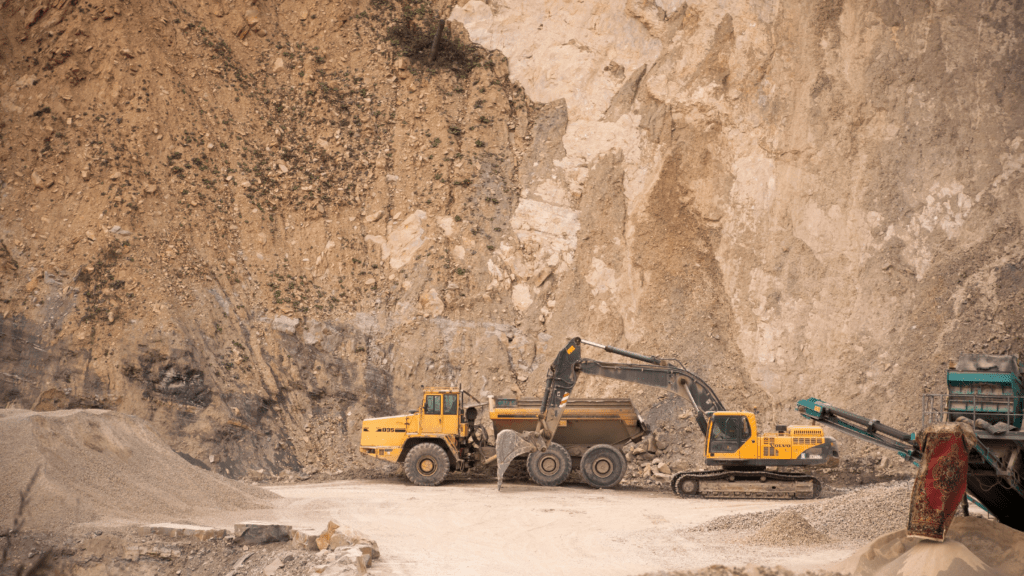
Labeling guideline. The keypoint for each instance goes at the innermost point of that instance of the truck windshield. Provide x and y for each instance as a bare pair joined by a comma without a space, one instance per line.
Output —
451,404
432,405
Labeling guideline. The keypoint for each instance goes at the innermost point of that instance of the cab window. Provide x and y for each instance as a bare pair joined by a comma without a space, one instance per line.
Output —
451,404
432,405
728,433
734,428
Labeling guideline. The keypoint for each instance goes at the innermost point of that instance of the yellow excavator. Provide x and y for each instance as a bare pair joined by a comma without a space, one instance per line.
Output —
732,443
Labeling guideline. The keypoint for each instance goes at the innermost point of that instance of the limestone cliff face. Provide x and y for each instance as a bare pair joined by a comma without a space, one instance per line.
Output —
254,224
796,198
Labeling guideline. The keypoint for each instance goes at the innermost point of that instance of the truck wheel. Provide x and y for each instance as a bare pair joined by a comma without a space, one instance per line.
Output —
549,468
426,464
603,466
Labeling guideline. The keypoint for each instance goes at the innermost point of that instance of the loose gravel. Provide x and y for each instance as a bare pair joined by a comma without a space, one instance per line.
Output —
789,528
95,464
857,515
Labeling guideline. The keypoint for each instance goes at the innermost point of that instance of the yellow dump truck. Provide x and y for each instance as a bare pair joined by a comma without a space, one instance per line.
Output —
444,436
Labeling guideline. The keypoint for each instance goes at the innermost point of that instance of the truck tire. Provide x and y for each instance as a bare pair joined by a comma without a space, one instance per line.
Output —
426,464
549,468
603,466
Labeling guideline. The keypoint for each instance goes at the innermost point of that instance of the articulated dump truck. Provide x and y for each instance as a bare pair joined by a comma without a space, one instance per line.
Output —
444,436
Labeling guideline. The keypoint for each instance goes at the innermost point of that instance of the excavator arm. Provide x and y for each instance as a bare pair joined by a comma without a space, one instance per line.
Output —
561,379
678,380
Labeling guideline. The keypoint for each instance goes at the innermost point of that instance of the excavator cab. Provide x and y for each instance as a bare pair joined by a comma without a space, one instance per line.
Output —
728,433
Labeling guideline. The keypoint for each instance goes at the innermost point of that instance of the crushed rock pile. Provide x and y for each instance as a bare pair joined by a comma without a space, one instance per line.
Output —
749,570
100,465
788,528
860,514
973,546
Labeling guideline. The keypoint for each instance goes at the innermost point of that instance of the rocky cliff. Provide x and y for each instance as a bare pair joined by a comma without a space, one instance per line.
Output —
254,223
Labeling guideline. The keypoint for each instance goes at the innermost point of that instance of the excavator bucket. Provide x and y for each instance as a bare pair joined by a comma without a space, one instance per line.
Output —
510,445
561,379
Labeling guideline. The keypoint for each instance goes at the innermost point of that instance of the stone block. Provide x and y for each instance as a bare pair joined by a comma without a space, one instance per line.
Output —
355,538
304,540
285,324
168,530
251,533
338,540
323,542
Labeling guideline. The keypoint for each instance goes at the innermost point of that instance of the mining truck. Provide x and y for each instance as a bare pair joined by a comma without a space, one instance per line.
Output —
739,454
443,436
984,391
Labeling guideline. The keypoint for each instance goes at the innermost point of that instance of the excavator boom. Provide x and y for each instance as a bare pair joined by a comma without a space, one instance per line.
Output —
678,380
561,380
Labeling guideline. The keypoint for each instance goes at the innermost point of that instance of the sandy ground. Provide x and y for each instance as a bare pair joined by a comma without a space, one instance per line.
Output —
101,474
471,528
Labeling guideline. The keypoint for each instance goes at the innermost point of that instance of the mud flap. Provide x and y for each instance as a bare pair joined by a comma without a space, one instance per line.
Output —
510,445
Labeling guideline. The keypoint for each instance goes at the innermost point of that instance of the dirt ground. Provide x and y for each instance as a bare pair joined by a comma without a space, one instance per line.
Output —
462,527
254,224
96,478
471,528
93,477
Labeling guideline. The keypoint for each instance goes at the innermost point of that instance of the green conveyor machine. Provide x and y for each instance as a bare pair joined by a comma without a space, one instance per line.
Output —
984,391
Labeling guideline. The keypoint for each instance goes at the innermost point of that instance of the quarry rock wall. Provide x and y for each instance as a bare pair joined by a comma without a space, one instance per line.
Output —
254,224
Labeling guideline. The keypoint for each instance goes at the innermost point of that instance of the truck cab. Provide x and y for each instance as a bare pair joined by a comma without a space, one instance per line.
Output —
437,438
440,412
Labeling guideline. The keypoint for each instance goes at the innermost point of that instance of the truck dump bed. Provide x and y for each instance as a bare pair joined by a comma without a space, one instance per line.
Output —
585,422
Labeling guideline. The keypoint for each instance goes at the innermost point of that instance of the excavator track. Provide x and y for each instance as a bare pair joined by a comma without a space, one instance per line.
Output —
745,484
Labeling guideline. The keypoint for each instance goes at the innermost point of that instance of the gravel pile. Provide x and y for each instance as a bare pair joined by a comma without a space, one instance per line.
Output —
973,547
860,514
788,528
100,465
750,570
